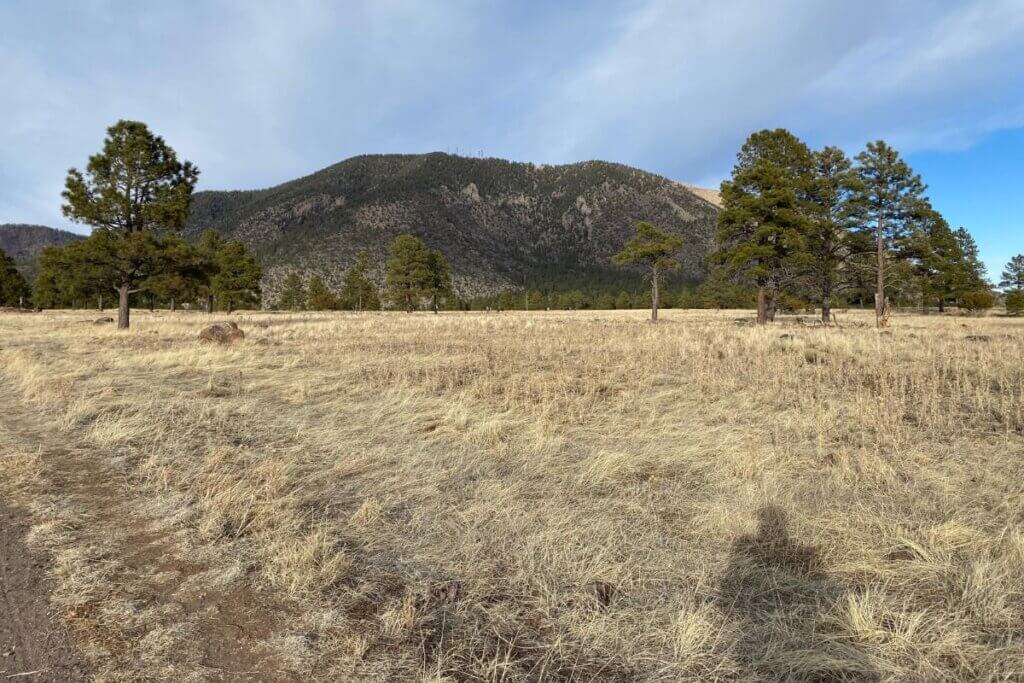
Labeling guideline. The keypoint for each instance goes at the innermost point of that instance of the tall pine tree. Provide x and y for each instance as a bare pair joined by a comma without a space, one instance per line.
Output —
891,195
130,192
762,228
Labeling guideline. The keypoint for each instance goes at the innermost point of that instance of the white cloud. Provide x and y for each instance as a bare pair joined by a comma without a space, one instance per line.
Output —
260,92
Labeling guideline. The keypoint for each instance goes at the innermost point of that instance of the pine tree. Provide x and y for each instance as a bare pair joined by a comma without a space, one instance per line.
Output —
833,208
1013,274
319,297
209,247
135,186
293,294
440,282
891,195
974,276
236,281
185,274
358,293
763,225
409,275
936,257
14,290
655,250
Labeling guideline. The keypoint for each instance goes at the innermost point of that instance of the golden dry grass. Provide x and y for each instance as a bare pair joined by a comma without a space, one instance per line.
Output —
574,496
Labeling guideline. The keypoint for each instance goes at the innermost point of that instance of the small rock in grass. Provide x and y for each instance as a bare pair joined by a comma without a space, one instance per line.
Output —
222,333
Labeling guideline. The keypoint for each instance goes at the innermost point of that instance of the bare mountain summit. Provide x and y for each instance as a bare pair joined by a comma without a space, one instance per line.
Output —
500,223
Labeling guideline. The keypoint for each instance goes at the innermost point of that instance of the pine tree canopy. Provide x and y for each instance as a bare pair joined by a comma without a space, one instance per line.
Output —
1013,274
136,183
651,247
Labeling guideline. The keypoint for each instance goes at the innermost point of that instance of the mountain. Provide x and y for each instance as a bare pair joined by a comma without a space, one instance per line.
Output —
24,243
500,223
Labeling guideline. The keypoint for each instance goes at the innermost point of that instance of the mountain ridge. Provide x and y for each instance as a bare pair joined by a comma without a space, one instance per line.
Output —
501,223
24,242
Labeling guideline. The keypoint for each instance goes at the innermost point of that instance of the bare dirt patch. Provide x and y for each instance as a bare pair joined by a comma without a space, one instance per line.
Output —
34,642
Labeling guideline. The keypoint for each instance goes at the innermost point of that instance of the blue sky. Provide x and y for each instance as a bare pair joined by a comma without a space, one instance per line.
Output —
258,92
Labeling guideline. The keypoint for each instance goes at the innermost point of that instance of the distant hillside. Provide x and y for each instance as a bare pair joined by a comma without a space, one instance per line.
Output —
24,243
499,222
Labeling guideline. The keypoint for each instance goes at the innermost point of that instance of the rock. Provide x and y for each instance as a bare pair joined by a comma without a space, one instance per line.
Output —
102,321
978,337
222,333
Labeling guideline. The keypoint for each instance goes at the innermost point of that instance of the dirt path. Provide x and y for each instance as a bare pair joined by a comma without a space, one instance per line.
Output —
133,594
32,638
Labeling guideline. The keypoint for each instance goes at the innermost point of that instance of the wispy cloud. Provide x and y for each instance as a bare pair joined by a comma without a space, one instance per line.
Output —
259,92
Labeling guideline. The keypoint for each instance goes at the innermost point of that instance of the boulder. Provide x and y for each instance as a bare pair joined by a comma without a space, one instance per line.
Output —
222,333
102,321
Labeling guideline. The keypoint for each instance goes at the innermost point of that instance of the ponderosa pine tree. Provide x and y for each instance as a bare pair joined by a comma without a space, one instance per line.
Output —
833,208
935,256
1013,274
409,274
319,297
185,275
236,278
440,282
973,274
209,247
654,250
891,195
358,293
293,294
14,291
762,228
135,186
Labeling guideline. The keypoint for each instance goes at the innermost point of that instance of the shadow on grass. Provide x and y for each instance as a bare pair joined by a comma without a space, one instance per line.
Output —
777,592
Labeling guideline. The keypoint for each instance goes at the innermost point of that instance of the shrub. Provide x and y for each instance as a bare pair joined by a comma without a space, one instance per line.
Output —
978,301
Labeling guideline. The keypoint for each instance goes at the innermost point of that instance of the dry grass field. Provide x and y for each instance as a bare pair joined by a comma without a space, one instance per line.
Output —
525,496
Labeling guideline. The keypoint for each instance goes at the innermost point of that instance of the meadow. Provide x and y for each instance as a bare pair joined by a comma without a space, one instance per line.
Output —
525,495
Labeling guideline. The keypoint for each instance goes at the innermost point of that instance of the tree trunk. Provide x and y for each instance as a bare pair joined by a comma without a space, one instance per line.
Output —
123,312
435,304
101,303
209,303
172,304
231,306
654,294
942,305
152,303
880,284
762,306
773,304
826,300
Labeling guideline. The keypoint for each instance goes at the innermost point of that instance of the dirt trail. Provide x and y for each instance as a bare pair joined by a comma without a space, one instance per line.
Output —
169,629
32,638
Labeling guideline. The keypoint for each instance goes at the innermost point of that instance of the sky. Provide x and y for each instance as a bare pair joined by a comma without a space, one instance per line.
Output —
258,92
